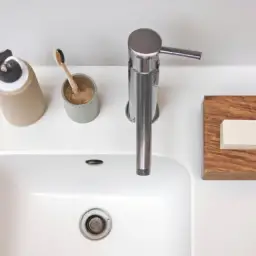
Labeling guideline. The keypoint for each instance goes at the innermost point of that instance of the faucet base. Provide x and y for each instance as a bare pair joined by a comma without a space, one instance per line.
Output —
133,119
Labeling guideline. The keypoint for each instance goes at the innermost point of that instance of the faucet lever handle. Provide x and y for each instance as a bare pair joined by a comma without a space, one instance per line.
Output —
181,52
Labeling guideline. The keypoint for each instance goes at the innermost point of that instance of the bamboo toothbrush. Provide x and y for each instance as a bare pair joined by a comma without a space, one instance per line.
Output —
60,58
79,95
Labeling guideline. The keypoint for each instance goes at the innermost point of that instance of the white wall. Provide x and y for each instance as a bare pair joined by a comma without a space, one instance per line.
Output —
95,32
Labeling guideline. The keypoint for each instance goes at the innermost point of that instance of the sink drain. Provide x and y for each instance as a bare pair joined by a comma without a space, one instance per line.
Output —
95,224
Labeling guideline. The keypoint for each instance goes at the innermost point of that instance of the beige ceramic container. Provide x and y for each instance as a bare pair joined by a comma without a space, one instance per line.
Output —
22,104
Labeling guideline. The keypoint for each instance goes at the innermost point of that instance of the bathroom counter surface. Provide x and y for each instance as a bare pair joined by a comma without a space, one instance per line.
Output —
223,212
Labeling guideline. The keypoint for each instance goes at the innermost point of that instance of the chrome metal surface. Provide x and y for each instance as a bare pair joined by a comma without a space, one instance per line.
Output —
143,125
144,41
133,120
144,47
181,52
95,224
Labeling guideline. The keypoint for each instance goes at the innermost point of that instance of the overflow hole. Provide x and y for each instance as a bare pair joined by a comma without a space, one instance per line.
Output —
94,162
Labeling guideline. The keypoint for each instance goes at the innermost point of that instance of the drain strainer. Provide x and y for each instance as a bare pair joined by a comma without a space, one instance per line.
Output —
95,224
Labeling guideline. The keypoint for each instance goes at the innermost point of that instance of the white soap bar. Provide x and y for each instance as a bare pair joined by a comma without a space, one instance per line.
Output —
238,134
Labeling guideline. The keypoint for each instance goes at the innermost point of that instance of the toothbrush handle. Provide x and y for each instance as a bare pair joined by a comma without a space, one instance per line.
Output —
72,83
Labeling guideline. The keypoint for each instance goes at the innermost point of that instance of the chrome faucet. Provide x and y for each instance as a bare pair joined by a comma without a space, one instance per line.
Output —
143,74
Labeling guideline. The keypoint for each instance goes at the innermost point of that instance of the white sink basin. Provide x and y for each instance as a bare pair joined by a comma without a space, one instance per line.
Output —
42,199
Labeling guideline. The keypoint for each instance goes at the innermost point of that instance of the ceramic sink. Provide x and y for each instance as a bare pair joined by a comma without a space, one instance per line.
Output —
43,200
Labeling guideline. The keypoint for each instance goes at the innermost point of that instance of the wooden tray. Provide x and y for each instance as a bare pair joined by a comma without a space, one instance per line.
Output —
222,164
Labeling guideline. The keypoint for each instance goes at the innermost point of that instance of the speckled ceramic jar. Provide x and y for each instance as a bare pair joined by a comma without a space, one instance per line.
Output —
82,113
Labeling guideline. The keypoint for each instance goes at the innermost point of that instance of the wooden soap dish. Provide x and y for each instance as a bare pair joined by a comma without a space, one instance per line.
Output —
223,164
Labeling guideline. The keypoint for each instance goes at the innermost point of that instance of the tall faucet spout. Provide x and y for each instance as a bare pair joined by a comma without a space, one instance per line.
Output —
143,122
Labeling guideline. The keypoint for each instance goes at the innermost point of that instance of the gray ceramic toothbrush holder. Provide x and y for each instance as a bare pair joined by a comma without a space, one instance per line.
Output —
82,113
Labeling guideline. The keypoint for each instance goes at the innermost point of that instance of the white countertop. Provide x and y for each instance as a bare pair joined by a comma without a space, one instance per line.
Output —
223,212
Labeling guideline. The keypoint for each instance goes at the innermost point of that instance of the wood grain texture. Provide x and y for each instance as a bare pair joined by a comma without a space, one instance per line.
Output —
222,164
